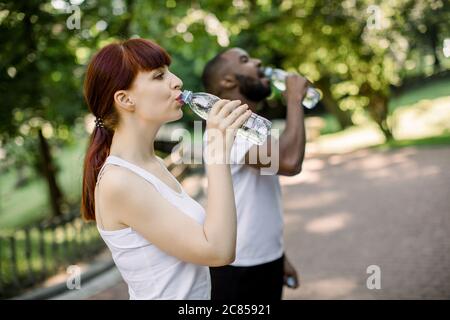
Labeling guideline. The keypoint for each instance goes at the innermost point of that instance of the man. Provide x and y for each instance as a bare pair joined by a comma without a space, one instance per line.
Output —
260,268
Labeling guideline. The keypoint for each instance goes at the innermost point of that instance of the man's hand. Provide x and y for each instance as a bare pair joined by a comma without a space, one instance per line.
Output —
296,87
289,271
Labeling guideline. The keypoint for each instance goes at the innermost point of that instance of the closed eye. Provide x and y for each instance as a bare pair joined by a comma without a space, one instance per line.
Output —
159,76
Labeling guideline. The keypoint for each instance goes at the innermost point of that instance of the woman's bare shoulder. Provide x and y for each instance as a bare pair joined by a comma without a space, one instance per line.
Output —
119,192
115,177
119,184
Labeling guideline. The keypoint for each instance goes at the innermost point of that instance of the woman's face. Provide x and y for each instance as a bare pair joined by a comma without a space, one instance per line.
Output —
155,95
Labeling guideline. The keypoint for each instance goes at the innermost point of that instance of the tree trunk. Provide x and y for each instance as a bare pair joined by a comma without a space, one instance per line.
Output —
49,172
434,43
343,117
378,110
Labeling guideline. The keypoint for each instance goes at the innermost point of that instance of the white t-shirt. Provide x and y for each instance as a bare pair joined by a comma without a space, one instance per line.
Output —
259,210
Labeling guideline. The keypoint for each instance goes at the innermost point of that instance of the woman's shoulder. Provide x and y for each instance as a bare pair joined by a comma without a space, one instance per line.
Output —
113,175
117,181
125,195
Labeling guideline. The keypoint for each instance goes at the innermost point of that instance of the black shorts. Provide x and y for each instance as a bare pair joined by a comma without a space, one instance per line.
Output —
263,282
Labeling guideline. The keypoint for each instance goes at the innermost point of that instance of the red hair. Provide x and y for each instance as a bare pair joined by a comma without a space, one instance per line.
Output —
112,69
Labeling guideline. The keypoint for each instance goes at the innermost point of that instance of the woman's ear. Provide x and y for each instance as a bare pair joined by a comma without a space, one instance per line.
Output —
123,100
228,82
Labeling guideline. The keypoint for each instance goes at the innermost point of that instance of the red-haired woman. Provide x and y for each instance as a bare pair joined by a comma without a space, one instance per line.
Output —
161,240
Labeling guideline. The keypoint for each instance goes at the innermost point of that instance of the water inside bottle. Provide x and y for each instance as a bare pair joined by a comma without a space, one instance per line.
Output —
255,129
278,78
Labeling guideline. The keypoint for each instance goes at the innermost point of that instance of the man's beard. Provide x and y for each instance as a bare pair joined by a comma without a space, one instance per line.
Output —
252,88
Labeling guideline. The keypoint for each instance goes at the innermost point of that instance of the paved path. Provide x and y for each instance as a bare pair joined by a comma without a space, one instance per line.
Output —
390,209
344,213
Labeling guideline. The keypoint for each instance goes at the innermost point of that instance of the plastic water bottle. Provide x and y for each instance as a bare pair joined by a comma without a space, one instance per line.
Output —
255,129
278,79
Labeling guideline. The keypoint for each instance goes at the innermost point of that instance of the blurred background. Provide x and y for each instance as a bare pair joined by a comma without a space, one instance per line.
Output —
375,186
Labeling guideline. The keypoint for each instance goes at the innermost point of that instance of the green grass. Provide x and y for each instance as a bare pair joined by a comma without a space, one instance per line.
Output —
29,204
23,205
426,141
331,125
428,91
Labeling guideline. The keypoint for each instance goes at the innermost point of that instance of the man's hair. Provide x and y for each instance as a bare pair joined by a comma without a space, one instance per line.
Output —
212,72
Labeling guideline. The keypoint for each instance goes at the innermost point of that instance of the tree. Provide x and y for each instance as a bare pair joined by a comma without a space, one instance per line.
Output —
45,48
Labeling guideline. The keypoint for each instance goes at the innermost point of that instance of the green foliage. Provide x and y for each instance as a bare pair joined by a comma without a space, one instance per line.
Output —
342,46
328,41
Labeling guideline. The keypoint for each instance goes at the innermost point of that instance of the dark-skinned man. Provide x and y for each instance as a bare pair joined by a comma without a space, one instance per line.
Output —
260,268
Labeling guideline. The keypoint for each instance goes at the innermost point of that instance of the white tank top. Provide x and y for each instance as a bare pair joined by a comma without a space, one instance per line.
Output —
149,272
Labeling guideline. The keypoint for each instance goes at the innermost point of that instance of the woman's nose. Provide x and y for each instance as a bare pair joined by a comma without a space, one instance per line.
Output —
177,82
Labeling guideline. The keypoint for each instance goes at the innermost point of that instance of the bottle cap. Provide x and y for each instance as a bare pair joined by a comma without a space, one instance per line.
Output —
290,282
186,96
268,71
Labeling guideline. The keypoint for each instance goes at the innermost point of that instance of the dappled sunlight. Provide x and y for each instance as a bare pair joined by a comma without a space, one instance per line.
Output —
308,177
375,161
391,166
431,171
415,172
335,160
383,173
378,161
313,164
329,288
290,218
388,170
349,140
328,223
338,159
402,155
425,118
309,173
314,201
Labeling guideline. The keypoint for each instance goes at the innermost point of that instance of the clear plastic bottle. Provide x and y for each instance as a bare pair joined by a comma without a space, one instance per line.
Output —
255,129
278,78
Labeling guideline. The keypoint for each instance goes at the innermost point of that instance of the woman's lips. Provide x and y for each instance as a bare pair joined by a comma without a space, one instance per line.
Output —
179,99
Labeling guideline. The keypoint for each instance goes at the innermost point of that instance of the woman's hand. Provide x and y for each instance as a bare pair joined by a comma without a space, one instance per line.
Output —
224,119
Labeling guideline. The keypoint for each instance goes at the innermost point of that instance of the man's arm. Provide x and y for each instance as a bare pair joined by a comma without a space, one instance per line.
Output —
289,150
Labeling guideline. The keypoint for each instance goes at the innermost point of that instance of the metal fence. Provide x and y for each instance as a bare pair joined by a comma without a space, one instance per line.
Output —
30,255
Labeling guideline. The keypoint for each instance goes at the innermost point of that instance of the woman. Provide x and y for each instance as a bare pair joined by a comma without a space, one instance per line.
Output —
161,240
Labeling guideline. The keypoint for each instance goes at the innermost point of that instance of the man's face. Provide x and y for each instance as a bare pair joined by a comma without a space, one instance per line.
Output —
252,82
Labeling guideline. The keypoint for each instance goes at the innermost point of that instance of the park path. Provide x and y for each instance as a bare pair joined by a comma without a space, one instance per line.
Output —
346,212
